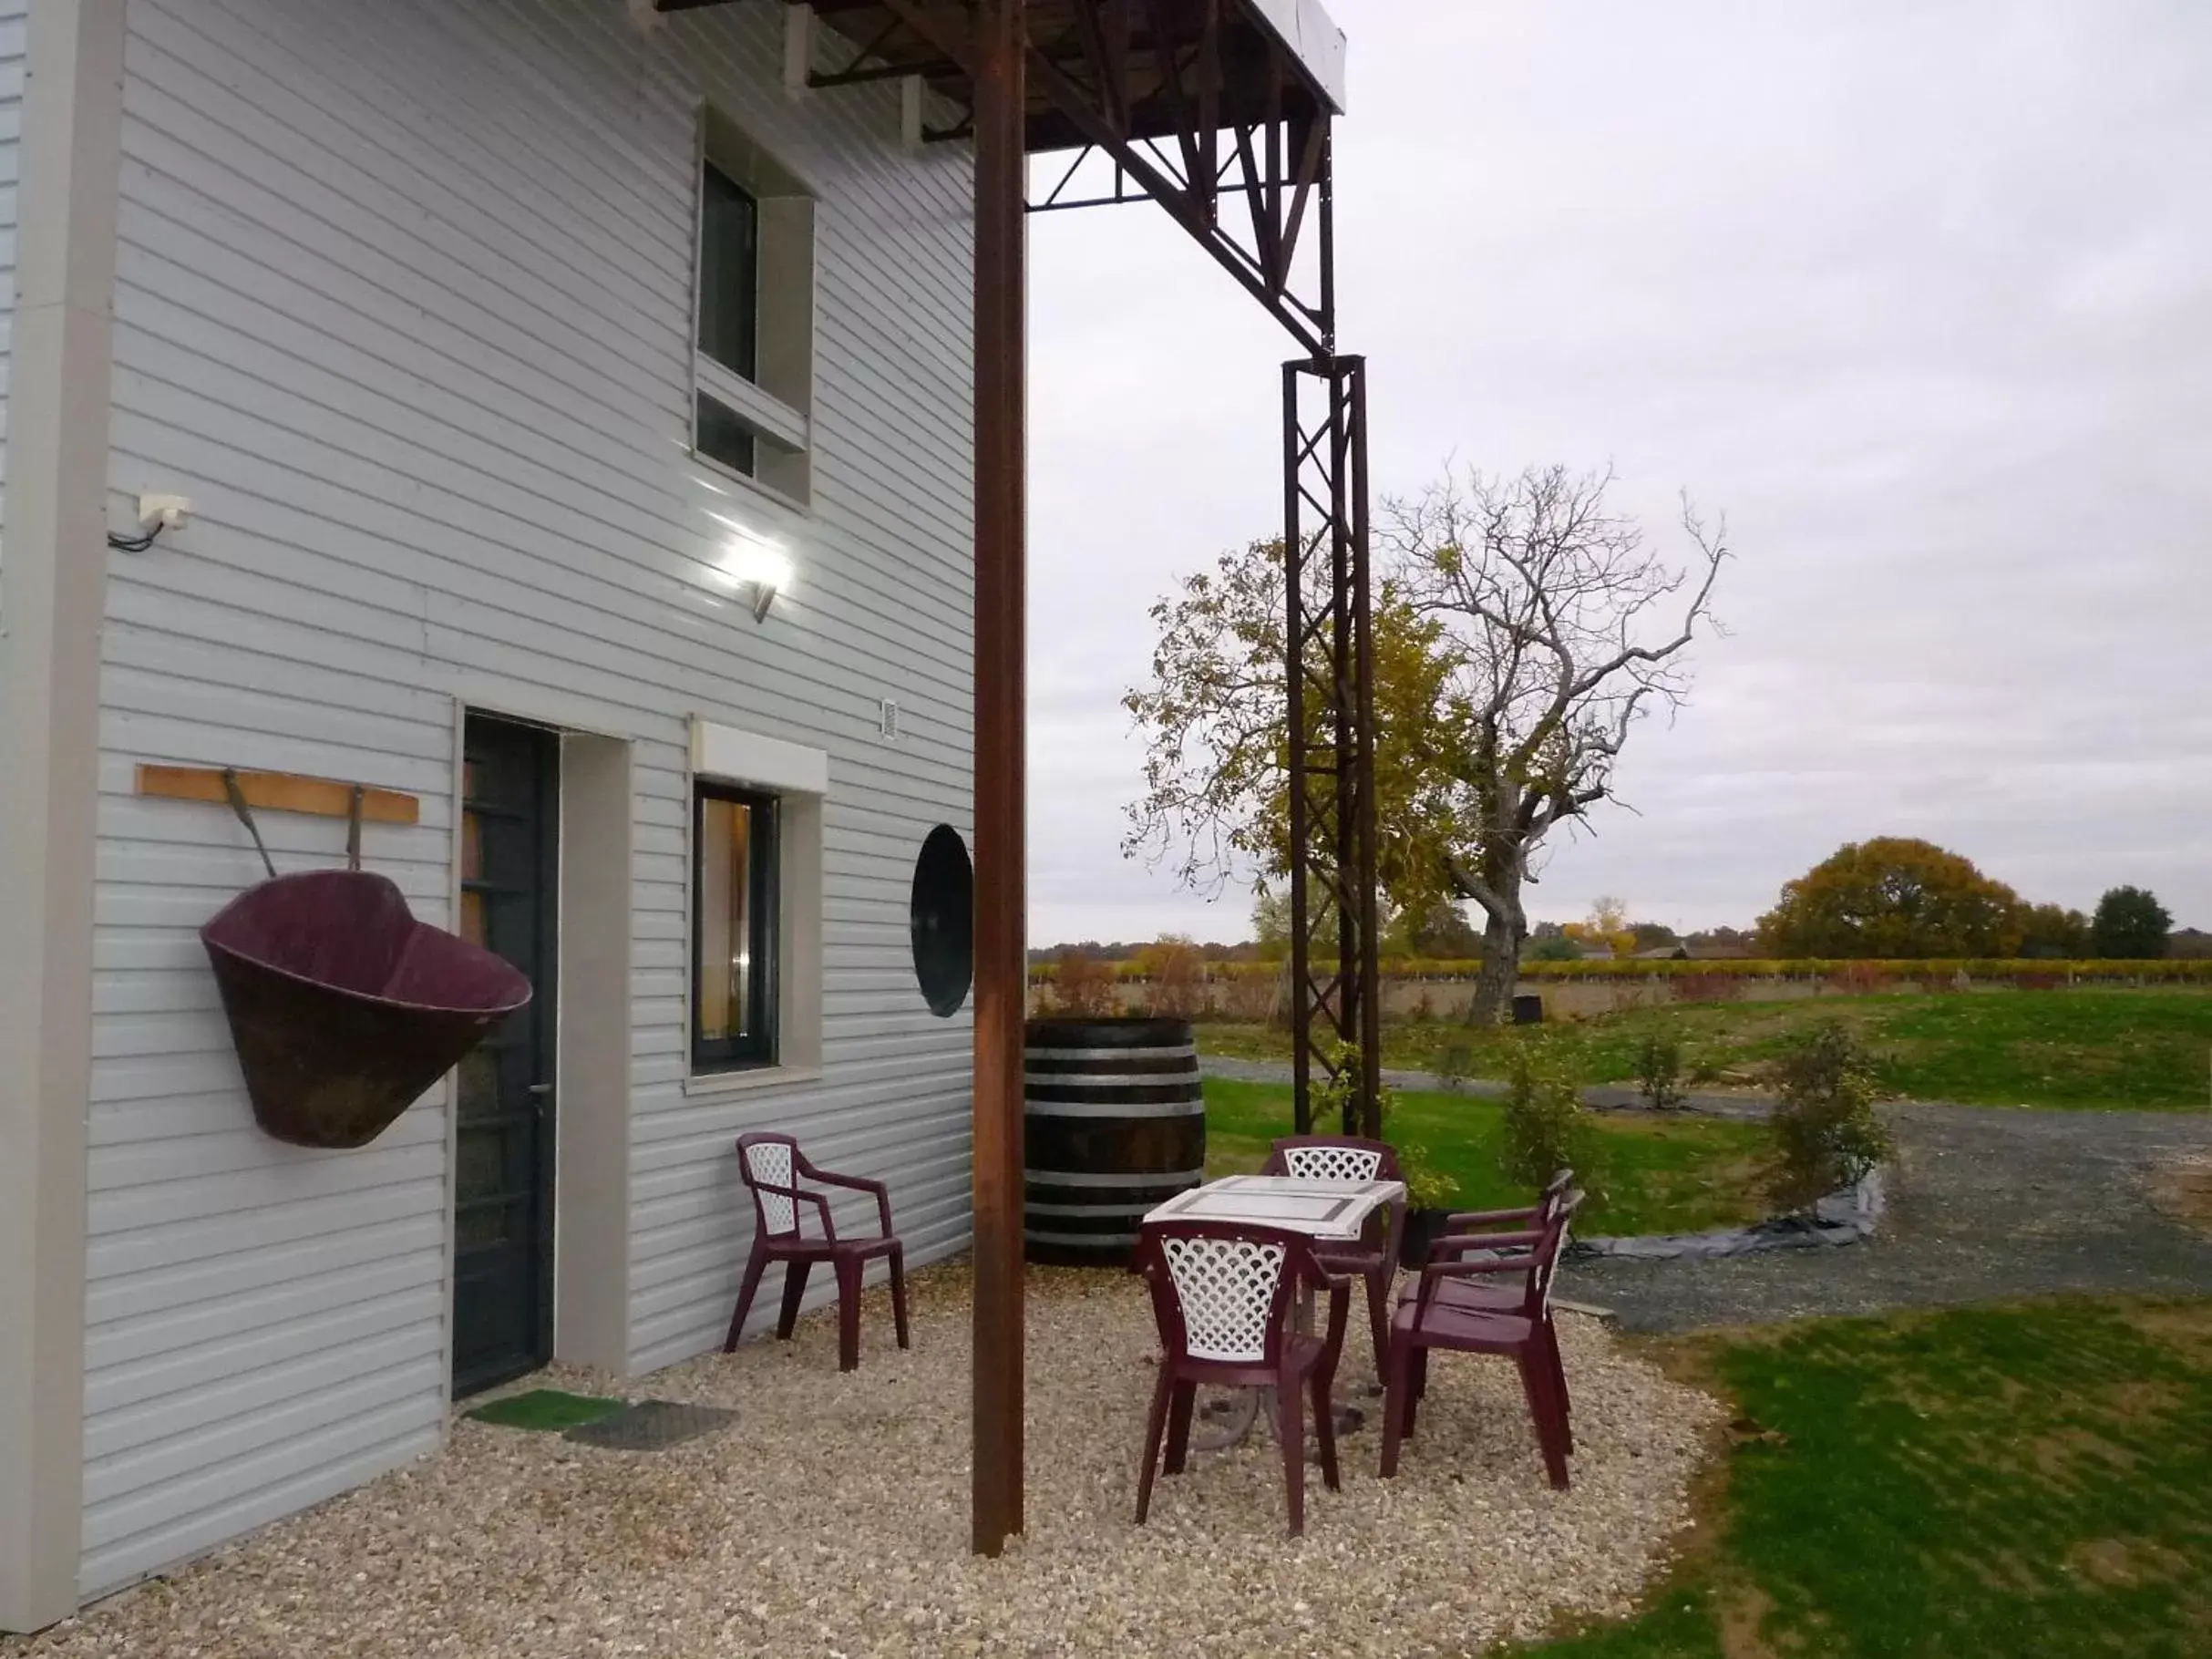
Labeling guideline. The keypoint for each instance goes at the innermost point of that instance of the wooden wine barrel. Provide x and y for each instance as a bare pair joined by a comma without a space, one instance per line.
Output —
1116,1123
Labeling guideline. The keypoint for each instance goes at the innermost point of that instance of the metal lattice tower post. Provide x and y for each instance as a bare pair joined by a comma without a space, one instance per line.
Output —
1329,634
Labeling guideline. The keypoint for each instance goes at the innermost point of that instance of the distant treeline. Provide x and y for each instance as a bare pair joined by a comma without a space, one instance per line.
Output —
1145,964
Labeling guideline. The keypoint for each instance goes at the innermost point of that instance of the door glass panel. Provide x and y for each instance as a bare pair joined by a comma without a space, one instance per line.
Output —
483,1228
481,1161
480,1083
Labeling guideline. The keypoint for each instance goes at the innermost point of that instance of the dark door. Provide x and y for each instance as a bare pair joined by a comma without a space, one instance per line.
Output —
503,1186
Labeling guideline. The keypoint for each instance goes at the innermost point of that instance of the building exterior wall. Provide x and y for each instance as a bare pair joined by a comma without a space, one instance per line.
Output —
52,600
14,32
403,306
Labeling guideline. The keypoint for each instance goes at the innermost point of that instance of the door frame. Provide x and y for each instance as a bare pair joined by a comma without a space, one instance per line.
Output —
589,1264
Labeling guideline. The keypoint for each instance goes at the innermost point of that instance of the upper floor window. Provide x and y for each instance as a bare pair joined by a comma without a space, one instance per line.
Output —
753,365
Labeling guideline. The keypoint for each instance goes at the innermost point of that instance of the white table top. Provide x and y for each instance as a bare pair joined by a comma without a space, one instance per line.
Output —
1328,1209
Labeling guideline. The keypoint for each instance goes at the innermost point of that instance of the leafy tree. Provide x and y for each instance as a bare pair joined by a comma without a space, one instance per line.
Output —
1607,929
2130,925
1731,938
1520,631
1652,935
1442,934
1216,785
2053,931
1893,897
1271,923
1553,947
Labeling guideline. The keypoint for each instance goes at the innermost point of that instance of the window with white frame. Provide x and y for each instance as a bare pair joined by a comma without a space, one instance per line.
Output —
754,358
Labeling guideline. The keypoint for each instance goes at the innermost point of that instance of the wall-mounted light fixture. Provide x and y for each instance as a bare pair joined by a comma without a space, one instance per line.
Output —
752,560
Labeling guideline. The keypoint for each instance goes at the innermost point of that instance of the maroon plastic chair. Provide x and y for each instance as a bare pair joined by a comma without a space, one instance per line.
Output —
1426,1321
1373,1258
1527,1215
1221,1293
771,1167
1488,1292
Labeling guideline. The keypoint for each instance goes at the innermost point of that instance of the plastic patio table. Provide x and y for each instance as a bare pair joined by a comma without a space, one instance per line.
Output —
1331,1211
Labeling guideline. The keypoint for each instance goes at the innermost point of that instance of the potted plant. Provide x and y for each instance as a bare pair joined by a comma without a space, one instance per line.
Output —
1429,1193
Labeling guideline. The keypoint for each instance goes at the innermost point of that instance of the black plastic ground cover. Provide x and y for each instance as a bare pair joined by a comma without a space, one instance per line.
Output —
652,1426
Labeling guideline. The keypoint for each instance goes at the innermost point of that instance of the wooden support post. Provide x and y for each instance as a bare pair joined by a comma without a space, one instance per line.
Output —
999,42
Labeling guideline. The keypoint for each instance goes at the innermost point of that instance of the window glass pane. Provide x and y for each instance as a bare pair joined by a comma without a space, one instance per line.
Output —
733,893
729,273
724,437
726,921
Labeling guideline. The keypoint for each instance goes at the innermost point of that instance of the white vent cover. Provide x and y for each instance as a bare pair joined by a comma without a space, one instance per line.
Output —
891,721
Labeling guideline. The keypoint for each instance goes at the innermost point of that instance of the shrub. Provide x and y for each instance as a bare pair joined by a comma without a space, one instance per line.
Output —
1176,975
1427,1186
1826,1135
1659,1071
1860,978
1545,1129
1334,1096
1453,1061
1247,998
1082,987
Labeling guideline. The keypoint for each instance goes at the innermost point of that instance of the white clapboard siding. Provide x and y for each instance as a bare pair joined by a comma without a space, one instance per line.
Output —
12,20
403,305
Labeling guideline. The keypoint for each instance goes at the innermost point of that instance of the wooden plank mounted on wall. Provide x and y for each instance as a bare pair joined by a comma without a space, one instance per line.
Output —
279,792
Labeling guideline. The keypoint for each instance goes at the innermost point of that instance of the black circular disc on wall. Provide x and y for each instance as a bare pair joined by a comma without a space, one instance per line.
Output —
944,920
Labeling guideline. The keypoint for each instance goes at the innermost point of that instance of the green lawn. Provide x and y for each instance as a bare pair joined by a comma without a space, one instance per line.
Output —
1671,1175
2009,1481
2081,1047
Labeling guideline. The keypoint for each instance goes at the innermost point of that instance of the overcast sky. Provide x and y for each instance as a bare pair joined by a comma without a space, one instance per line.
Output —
1919,292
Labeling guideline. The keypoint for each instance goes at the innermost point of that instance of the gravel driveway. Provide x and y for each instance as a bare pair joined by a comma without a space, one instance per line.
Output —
1985,1202
831,1520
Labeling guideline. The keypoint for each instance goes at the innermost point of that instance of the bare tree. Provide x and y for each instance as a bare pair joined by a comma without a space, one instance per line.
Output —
1562,629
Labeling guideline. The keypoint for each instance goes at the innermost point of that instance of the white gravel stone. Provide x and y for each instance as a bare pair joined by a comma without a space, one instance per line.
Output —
832,1519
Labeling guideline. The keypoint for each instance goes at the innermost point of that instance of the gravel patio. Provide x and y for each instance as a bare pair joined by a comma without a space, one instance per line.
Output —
832,1519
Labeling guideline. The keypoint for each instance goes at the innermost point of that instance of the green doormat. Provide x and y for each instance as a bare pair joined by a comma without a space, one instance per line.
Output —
545,1408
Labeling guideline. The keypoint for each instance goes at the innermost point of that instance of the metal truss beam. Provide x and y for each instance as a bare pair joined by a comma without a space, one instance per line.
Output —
1209,141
